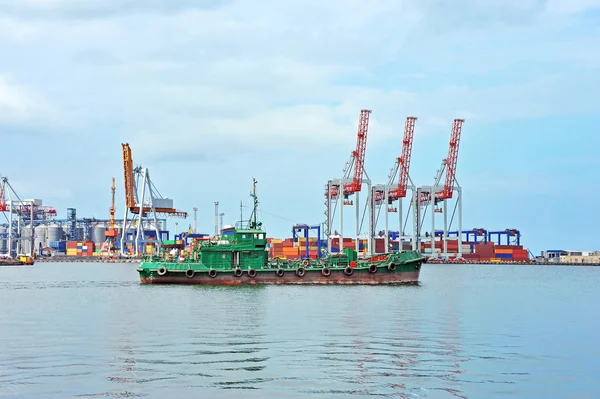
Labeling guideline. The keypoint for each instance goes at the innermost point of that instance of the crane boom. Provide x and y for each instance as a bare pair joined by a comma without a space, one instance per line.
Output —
112,205
451,161
128,170
3,206
359,154
404,160
448,166
130,190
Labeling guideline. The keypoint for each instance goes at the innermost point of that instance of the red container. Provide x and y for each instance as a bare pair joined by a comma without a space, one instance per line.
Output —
509,246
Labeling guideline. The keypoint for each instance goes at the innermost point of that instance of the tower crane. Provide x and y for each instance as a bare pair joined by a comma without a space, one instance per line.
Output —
432,195
143,201
386,195
111,233
350,184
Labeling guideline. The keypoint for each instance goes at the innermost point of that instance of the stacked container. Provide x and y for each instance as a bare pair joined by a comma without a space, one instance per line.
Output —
511,253
312,246
363,245
283,249
485,251
77,248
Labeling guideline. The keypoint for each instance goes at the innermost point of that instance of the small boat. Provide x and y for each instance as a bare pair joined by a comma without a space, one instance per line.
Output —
240,256
22,260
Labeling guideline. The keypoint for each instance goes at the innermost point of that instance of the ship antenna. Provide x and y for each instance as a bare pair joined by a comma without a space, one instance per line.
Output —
255,224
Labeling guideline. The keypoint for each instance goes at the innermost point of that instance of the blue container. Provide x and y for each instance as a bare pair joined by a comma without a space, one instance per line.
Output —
60,246
503,256
335,250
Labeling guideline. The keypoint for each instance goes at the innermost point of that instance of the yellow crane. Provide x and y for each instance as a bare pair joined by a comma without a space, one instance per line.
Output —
111,234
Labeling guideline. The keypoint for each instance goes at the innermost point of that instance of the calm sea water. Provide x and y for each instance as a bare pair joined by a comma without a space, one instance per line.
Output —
90,330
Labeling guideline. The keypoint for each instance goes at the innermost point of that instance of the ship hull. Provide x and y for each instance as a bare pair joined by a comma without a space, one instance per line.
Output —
311,277
15,262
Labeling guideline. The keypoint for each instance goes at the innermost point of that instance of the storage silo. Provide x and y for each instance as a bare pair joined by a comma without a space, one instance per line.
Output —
25,242
3,240
40,237
99,234
54,233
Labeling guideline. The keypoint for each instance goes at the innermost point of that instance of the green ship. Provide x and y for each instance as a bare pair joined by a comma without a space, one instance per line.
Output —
240,256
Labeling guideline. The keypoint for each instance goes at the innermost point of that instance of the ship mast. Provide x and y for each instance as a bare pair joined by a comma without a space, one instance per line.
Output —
254,224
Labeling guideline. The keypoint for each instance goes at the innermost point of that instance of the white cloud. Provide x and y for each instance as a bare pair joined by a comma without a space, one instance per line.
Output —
16,30
288,74
22,107
91,9
13,100
572,6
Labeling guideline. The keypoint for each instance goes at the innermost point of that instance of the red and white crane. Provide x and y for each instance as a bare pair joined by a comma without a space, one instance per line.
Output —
350,184
443,194
383,196
358,156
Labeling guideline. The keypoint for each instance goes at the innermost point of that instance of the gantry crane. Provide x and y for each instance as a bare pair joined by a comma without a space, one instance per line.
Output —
21,213
11,204
348,186
142,201
385,195
427,196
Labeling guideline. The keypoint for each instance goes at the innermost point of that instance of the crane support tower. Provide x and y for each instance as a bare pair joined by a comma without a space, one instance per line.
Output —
143,200
383,196
339,191
429,197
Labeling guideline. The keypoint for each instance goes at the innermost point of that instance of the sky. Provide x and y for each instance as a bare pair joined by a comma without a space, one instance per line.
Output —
211,93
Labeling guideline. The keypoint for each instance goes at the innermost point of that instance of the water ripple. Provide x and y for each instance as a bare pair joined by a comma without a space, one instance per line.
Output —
98,333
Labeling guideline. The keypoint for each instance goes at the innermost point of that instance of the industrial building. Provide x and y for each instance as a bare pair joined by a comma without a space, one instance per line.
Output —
574,257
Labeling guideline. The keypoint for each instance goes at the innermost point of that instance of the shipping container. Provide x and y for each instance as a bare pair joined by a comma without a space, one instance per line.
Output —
509,246
60,246
503,251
